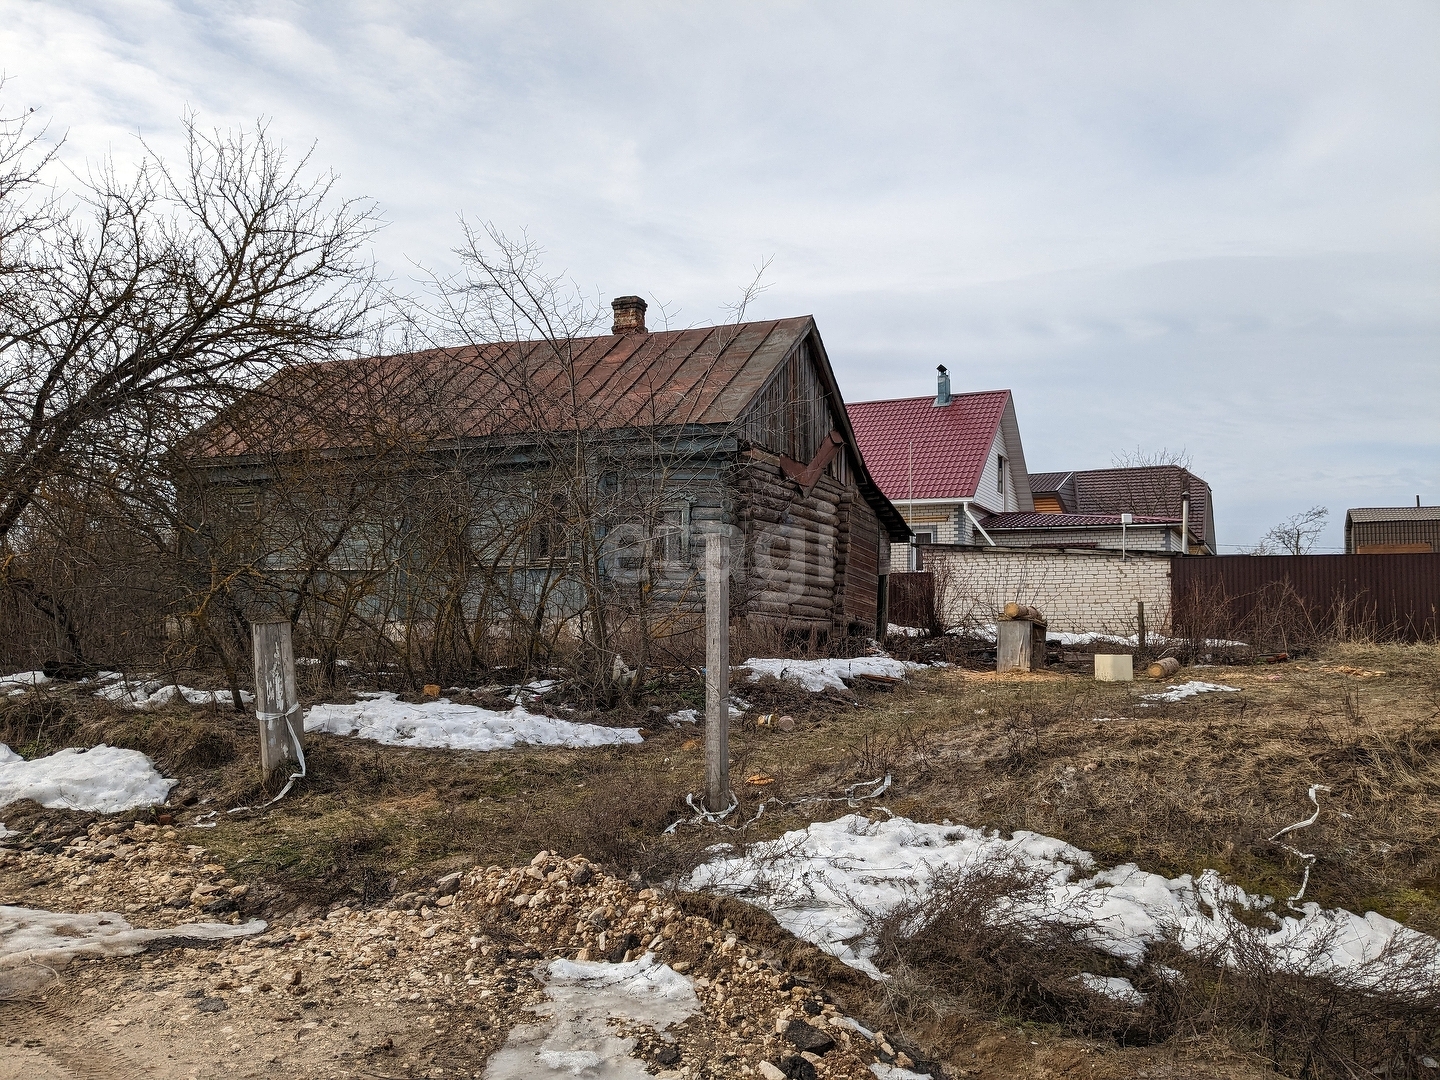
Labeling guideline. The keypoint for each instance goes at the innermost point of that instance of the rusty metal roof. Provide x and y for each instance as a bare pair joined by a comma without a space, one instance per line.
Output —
670,378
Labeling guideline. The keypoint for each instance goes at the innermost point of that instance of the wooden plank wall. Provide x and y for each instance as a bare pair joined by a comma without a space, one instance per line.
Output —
859,559
790,546
791,415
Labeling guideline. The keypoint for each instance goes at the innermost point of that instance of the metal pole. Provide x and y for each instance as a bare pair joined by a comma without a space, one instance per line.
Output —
717,673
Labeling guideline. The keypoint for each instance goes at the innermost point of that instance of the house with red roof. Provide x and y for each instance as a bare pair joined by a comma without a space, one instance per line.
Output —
954,467
947,463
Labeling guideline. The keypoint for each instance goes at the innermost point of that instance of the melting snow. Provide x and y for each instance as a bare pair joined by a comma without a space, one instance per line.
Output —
828,883
155,693
1189,689
1113,987
16,684
818,675
105,779
32,940
576,1039
894,1072
385,719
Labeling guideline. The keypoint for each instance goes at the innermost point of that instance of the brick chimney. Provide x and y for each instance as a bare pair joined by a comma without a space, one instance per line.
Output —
629,315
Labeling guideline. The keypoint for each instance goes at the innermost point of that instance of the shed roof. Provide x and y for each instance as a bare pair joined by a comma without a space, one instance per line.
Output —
1393,513
943,447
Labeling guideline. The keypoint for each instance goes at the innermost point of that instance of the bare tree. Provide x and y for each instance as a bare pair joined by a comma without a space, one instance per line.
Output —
133,306
1140,458
1296,535
149,299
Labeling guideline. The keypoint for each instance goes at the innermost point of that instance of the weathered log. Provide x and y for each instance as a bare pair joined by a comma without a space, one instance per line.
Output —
1014,610
1163,668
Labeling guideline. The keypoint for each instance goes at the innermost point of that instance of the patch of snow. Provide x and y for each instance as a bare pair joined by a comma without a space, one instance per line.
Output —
7,755
154,693
576,1038
694,716
20,680
907,631
894,1072
4,832
1113,987
829,882
32,939
819,675
442,723
1190,689
105,779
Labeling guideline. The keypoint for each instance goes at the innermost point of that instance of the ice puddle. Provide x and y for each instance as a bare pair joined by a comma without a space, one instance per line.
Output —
830,882
34,942
576,1038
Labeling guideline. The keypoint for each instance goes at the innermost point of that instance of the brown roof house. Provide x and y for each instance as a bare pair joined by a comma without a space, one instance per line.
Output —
1086,506
1392,530
544,481
954,465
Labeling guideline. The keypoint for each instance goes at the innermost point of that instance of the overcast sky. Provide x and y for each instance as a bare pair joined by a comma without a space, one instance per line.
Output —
1212,226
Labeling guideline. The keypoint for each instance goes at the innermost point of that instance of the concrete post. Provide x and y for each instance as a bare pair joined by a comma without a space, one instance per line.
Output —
717,673
277,701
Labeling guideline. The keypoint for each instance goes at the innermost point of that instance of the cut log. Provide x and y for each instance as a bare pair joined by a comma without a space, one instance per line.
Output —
1023,611
1163,668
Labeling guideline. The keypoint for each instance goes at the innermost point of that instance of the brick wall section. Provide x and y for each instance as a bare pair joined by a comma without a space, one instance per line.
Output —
1077,591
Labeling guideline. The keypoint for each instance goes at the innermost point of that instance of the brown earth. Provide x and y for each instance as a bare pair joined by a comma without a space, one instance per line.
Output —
1174,787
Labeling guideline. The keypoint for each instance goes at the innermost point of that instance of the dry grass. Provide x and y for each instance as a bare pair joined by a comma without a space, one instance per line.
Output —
1175,788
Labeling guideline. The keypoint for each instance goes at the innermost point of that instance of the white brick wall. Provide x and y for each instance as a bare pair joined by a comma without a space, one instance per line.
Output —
1077,592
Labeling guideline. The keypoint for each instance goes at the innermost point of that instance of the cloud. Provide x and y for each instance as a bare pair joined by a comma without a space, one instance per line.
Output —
1214,224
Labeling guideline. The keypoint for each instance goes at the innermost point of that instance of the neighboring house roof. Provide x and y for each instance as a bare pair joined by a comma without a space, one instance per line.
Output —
1393,513
1048,483
1148,490
1000,522
916,449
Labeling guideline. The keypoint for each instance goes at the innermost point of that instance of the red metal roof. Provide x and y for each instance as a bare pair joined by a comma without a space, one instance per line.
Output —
945,447
1066,521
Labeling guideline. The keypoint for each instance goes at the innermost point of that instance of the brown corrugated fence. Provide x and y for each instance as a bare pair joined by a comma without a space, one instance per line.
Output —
1391,596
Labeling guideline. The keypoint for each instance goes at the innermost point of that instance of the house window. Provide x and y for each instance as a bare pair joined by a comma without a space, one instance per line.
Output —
670,537
1000,477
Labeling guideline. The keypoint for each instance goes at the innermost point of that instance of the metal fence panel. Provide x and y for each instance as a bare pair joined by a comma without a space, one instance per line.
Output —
1394,596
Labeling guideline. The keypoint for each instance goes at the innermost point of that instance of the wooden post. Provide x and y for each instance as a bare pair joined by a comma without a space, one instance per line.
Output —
1140,625
277,702
717,673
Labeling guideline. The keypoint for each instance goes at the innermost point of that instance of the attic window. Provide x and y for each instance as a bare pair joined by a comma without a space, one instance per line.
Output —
1000,475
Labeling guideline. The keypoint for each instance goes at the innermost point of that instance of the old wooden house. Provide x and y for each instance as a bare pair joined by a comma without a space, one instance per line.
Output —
564,469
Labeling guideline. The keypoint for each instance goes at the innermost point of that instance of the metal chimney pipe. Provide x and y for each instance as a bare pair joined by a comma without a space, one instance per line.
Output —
942,393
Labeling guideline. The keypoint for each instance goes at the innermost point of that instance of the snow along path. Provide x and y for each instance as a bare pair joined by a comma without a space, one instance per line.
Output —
577,1039
105,779
829,882
383,718
820,675
32,938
